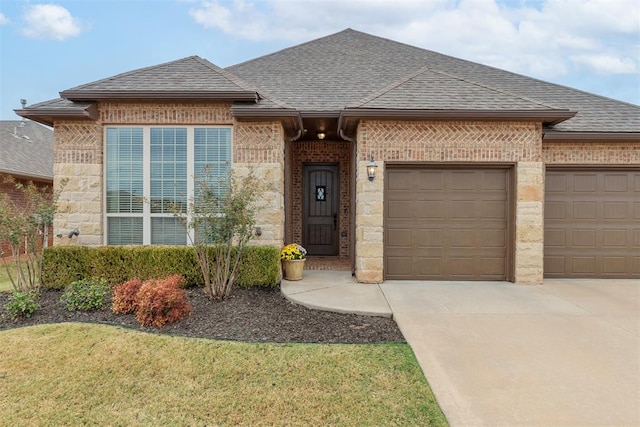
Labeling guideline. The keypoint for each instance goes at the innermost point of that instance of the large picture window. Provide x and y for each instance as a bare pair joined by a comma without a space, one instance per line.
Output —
149,172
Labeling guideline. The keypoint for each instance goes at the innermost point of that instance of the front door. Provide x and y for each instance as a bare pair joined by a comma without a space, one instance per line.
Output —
320,209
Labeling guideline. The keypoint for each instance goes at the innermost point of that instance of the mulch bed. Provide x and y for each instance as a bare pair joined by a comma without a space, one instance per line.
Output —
251,315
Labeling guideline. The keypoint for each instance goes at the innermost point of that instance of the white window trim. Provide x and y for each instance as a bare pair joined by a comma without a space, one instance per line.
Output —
146,176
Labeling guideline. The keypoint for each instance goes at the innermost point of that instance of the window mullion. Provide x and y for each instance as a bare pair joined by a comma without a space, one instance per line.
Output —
146,172
190,179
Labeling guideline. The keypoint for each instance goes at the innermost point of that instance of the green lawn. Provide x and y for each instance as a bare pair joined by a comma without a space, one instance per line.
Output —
5,283
87,374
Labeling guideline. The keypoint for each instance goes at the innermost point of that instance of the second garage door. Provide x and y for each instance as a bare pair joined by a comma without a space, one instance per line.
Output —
446,224
592,223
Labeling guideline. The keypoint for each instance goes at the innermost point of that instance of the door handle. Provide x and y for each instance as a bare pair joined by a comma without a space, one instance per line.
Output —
335,221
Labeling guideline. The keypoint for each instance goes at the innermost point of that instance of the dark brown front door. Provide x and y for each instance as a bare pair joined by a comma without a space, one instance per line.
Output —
320,209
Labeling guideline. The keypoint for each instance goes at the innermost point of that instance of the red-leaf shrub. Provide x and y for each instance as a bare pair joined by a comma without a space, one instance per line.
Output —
124,299
162,301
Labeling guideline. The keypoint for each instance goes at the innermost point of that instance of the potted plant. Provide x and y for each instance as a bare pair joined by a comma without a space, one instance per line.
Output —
293,257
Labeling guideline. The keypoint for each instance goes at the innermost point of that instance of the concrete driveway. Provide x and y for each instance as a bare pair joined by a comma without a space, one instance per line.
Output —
566,353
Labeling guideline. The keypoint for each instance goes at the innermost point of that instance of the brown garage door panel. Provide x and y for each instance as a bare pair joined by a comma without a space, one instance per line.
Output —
446,224
592,223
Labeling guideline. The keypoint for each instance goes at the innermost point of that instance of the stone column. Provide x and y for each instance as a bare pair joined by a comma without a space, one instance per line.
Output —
79,203
369,224
270,203
529,254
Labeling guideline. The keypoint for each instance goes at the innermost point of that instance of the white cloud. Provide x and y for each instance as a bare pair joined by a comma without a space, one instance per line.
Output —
607,64
3,19
546,38
50,21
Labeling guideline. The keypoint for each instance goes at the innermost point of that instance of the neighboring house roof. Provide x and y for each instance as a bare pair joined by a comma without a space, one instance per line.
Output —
26,149
353,74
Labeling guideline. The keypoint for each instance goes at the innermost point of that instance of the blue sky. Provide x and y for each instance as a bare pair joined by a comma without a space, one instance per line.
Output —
47,47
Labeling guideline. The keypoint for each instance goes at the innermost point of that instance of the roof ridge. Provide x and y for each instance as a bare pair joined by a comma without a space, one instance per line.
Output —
505,92
128,73
387,88
293,47
226,74
422,70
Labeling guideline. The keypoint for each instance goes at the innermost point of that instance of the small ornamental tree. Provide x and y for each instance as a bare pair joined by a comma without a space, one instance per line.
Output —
222,217
25,226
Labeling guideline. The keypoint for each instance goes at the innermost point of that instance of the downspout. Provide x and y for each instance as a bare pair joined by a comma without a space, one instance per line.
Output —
287,178
300,126
352,213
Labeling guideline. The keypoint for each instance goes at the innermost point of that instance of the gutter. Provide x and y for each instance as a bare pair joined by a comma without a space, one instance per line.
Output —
553,135
548,117
107,95
46,116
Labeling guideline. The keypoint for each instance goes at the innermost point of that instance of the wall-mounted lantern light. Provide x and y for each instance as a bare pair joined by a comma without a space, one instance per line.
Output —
371,169
320,134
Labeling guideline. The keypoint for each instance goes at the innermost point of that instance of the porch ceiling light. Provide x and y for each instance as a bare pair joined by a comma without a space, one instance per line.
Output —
371,169
320,134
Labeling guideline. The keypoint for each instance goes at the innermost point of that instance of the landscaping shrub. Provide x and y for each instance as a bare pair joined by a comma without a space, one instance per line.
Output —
260,265
124,299
112,263
85,294
22,304
62,265
161,302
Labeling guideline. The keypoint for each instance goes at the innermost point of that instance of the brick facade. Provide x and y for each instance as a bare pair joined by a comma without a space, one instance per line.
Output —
15,196
321,152
78,161
517,143
260,147
591,153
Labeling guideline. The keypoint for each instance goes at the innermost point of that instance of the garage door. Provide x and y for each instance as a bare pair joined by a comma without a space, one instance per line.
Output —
446,224
592,223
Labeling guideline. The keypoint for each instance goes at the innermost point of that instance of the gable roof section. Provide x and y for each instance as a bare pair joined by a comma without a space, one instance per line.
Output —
431,93
191,77
26,149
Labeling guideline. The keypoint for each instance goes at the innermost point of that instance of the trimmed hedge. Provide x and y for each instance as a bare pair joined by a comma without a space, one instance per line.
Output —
62,265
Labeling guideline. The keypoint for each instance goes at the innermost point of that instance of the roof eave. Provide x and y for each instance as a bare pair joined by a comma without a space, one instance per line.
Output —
108,95
547,117
568,136
47,116
27,176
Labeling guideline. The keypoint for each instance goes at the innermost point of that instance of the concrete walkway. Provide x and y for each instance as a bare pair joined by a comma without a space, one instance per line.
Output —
566,353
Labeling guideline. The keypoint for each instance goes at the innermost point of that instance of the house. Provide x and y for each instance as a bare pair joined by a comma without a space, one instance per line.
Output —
480,173
26,155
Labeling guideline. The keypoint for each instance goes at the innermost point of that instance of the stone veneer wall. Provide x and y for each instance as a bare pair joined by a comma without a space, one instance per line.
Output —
322,152
78,162
519,143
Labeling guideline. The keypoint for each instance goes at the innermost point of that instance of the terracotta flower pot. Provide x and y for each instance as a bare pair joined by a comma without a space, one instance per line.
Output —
293,269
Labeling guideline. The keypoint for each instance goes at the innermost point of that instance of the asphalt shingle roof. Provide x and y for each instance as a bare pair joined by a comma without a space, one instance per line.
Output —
345,68
191,74
26,149
435,90
351,69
